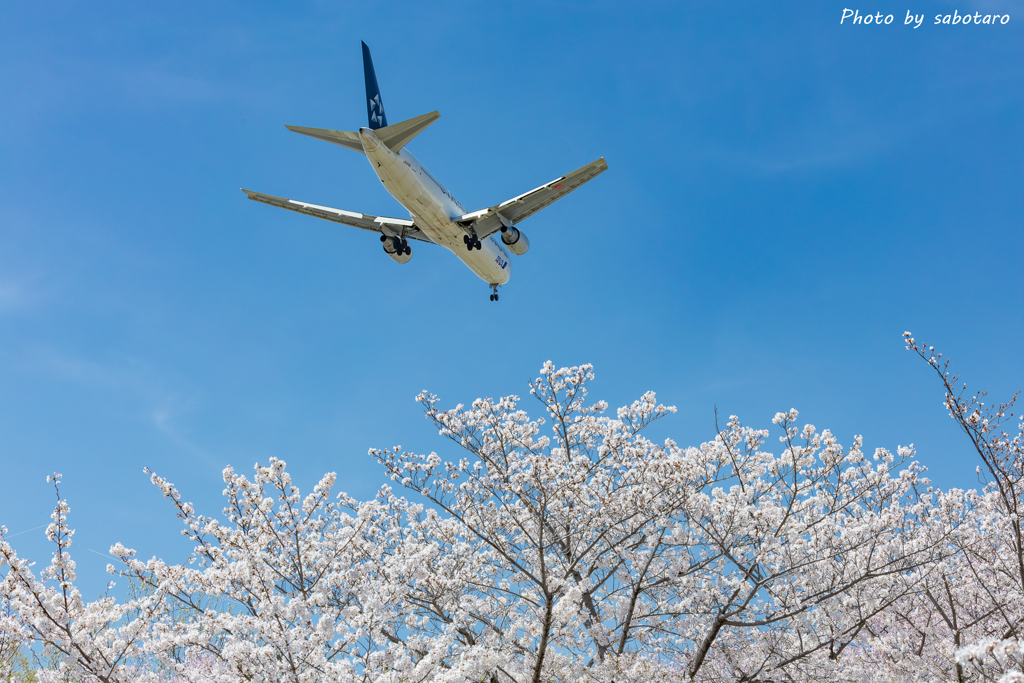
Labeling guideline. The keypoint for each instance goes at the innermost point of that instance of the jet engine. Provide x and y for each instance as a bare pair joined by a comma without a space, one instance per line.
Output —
514,240
397,248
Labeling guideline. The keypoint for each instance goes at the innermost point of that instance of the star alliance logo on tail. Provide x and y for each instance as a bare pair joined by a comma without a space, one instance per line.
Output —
376,109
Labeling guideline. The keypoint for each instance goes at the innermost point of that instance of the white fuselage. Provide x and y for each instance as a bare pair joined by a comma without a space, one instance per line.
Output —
433,209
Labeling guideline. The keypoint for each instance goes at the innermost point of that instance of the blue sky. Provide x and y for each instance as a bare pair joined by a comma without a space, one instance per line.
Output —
785,197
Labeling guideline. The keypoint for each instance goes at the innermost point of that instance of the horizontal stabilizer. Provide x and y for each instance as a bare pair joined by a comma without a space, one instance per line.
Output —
338,137
397,135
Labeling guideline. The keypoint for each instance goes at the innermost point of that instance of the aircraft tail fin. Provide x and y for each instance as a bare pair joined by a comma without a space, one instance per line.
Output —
395,137
374,105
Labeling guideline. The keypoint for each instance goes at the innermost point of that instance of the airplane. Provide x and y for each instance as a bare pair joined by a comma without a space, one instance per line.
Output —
478,238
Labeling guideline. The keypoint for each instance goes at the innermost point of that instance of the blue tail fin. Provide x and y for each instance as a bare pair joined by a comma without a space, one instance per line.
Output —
374,106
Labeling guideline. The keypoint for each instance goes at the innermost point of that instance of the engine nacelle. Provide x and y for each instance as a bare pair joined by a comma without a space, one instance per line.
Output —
514,240
398,249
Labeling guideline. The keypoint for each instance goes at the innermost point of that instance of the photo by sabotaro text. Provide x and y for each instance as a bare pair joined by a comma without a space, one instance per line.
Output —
915,20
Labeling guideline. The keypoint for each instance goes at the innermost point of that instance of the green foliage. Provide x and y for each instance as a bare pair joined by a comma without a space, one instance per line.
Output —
17,667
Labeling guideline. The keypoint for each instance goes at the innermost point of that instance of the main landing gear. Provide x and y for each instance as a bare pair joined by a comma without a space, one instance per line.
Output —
400,244
494,292
471,242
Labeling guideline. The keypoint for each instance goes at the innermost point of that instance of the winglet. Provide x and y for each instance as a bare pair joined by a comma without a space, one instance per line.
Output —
374,105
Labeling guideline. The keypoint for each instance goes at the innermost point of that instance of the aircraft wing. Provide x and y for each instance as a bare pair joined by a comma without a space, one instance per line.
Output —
489,221
379,224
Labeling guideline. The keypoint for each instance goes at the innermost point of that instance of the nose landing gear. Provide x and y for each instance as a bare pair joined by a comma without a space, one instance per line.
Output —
494,292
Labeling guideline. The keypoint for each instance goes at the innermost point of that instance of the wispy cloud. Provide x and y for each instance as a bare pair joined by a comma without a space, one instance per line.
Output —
17,295
71,369
158,84
133,380
11,297
52,87
166,416
827,145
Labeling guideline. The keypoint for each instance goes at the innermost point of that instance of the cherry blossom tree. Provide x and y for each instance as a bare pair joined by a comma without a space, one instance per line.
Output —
564,547
964,622
13,663
283,589
594,553
978,598
87,640
276,592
